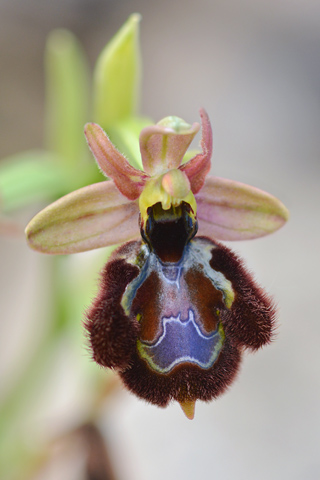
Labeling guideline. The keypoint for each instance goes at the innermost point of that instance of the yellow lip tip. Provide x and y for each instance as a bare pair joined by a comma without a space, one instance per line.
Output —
188,408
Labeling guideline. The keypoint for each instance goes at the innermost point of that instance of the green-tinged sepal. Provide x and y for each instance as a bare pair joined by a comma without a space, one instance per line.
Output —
230,210
91,217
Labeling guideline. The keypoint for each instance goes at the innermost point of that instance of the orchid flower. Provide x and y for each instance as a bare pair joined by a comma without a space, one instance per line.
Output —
175,308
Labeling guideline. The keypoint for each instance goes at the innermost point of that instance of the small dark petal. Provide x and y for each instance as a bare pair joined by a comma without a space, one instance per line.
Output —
112,335
186,382
251,320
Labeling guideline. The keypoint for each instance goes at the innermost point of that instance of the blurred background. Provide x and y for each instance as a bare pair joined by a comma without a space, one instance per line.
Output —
255,67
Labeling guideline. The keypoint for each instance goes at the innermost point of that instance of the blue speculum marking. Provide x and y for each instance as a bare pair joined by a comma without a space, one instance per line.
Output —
182,342
177,327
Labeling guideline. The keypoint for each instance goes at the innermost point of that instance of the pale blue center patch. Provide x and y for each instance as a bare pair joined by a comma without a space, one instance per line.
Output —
182,342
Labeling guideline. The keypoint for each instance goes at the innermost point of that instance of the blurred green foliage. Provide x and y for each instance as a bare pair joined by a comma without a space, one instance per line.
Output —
43,176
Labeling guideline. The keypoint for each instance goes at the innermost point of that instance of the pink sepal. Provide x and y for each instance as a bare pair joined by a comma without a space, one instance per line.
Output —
230,210
92,217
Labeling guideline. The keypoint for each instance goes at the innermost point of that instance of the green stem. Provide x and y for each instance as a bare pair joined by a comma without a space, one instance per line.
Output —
33,374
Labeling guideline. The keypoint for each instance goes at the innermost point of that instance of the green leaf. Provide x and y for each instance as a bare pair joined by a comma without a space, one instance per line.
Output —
30,177
117,76
67,95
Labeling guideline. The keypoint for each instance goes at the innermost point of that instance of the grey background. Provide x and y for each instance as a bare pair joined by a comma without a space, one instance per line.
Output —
255,67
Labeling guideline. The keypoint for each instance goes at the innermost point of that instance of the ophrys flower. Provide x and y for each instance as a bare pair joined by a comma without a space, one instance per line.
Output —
175,309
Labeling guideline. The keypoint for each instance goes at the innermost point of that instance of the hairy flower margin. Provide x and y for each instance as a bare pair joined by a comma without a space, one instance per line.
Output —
175,309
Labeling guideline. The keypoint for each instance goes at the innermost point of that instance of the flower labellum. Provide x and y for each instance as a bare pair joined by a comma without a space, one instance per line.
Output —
175,308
